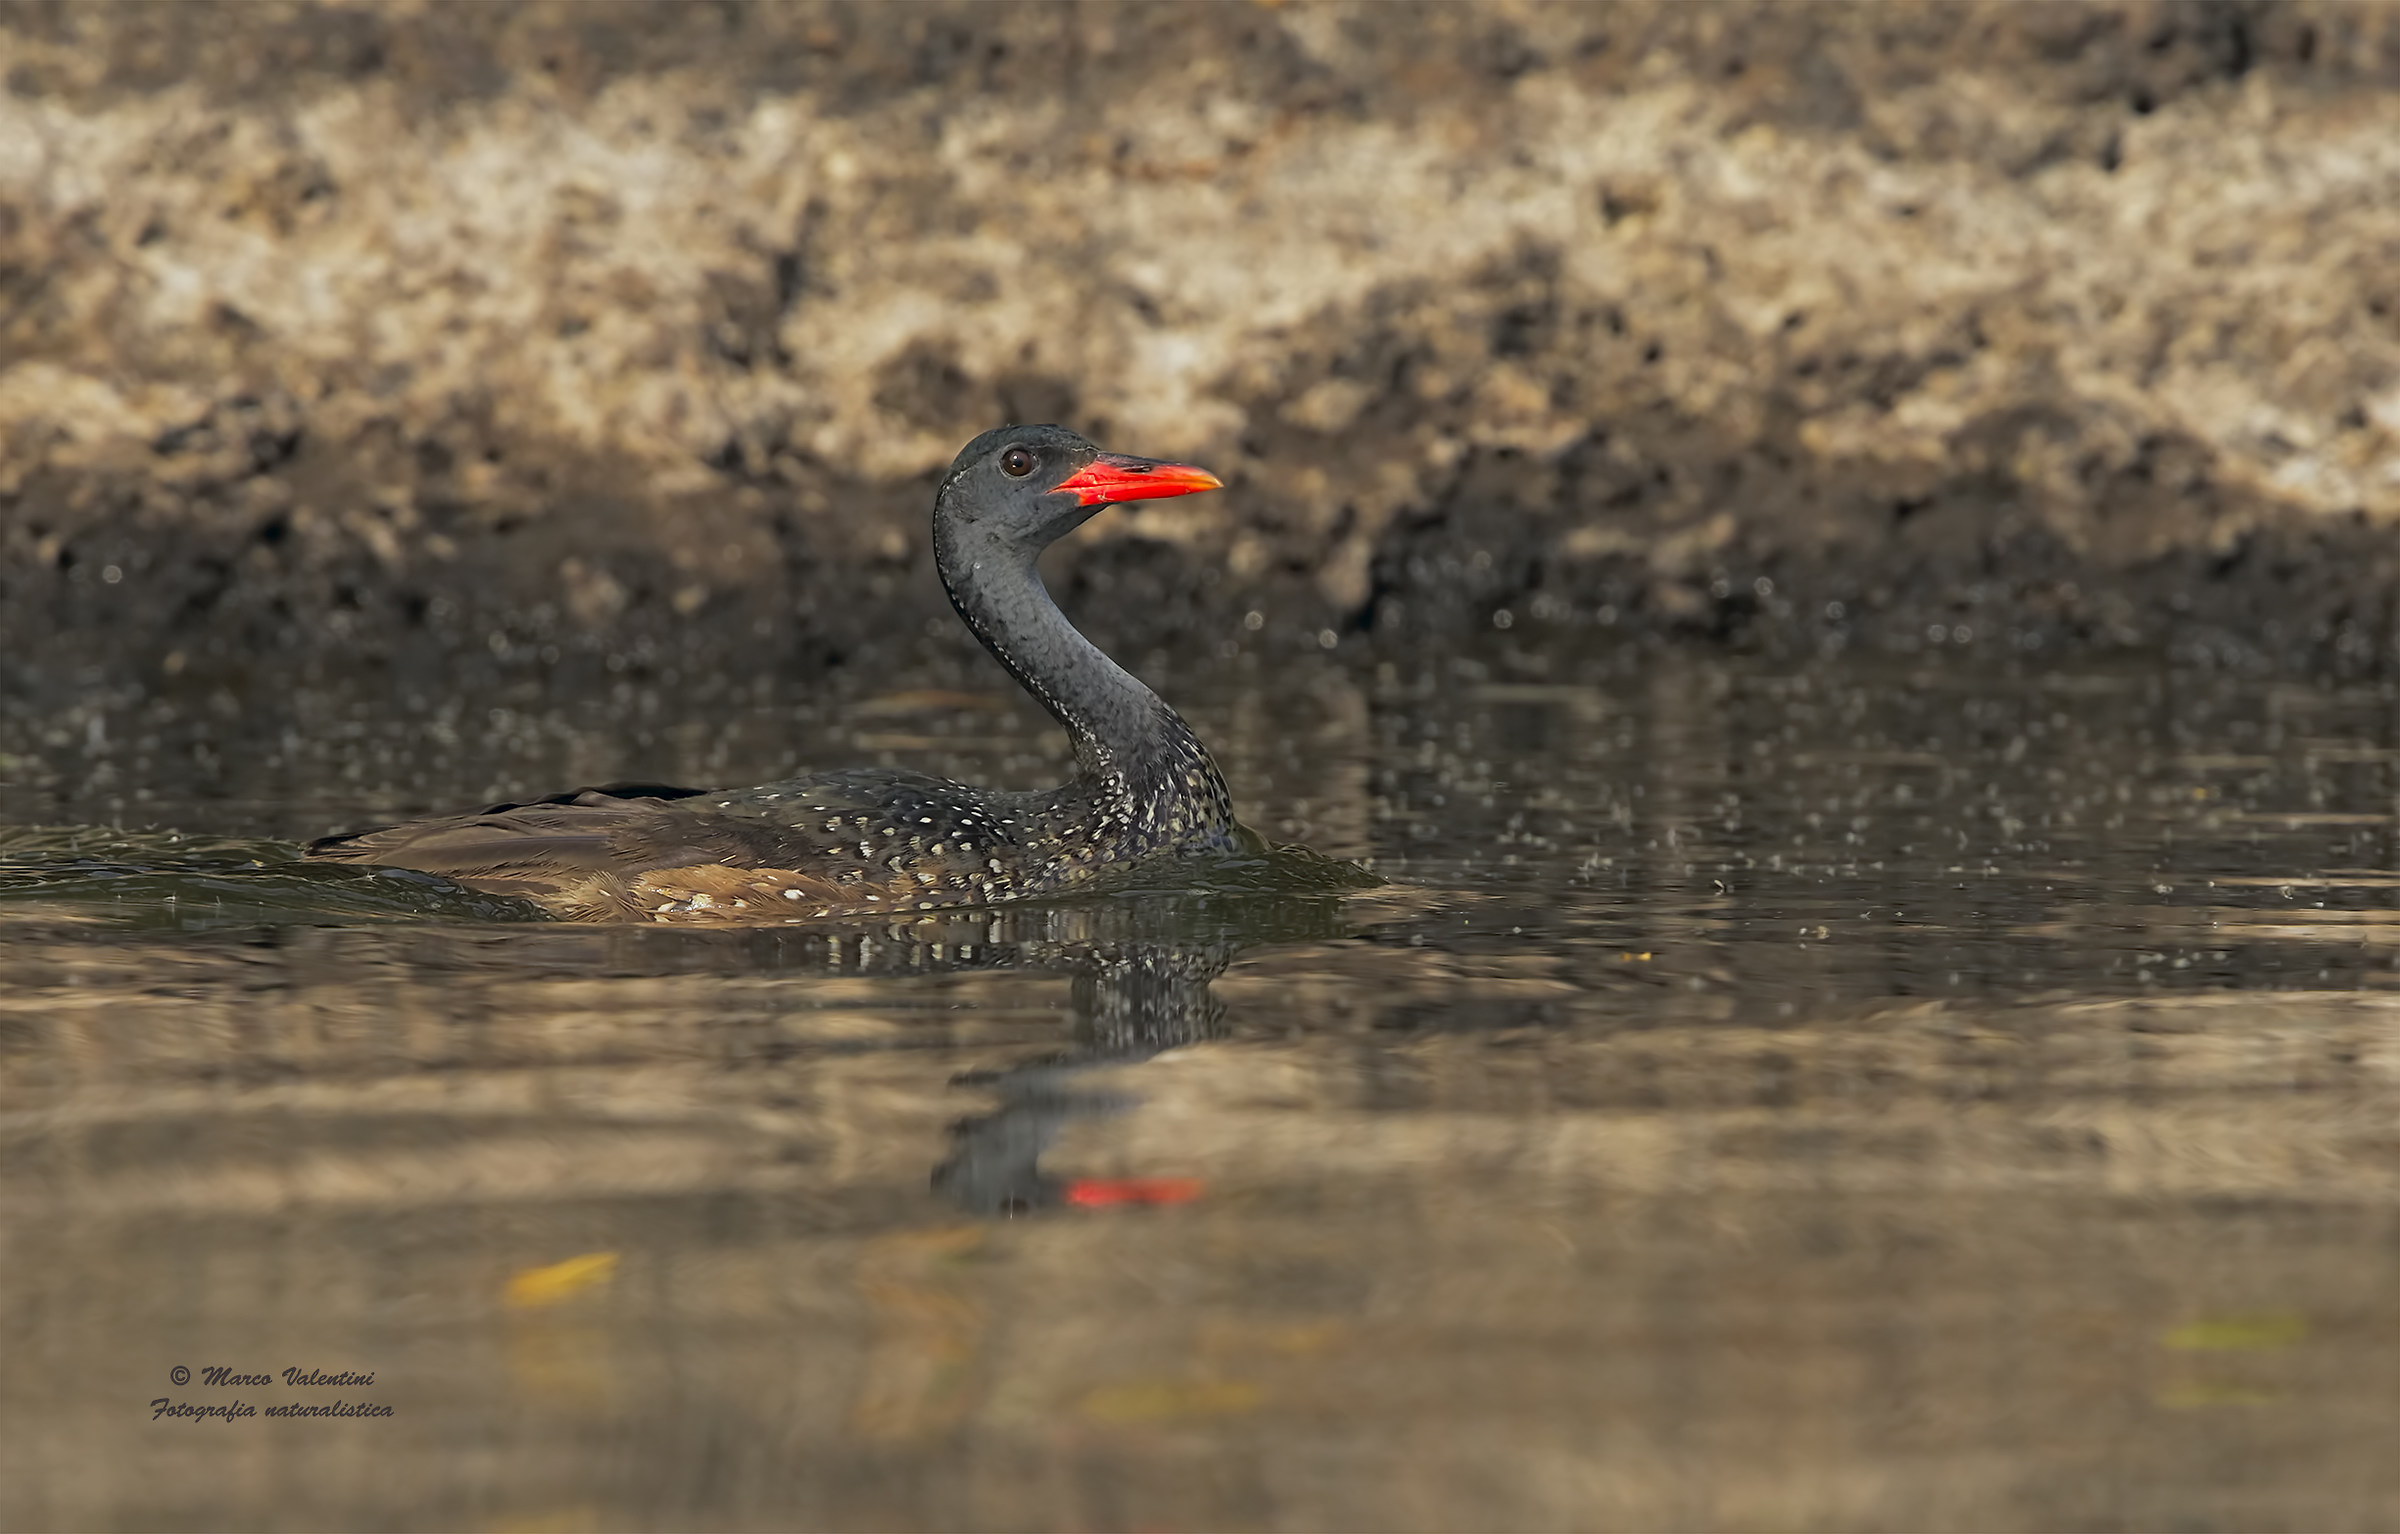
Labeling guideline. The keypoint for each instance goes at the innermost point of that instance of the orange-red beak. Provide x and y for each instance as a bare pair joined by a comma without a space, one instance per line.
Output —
1114,477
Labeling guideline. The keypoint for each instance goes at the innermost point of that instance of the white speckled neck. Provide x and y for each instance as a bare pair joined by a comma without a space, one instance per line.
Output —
1131,749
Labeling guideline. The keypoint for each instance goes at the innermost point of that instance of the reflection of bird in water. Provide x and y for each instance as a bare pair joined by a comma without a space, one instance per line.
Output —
1128,1006
1140,965
869,841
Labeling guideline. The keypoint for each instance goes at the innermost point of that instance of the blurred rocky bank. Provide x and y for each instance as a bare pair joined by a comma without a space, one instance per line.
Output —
539,336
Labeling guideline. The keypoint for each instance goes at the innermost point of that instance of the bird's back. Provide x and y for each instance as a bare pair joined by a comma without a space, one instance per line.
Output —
840,843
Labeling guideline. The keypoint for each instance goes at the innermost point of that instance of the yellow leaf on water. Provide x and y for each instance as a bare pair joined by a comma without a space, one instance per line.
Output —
1165,1400
2239,1334
558,1281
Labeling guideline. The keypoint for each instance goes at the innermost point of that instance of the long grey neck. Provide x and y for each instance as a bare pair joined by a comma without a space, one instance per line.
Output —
1128,742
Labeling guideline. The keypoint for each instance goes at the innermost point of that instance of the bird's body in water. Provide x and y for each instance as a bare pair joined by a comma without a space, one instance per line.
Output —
871,840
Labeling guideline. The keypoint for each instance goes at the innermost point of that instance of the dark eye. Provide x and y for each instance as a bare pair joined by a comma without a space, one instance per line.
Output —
1016,463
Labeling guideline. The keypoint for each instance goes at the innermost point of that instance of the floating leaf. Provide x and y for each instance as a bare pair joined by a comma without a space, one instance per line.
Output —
560,1280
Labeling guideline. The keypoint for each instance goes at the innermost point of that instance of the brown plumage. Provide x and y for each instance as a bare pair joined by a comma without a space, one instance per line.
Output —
615,853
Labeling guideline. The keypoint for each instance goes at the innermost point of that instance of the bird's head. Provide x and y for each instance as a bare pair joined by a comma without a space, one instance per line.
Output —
1024,487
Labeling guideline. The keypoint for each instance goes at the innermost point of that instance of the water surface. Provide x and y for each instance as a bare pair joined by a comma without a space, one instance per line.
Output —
1889,1093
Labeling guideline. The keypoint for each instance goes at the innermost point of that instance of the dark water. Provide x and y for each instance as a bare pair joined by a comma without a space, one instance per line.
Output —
1878,1095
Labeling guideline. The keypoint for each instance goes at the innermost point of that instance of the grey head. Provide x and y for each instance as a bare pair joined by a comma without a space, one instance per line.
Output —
1018,489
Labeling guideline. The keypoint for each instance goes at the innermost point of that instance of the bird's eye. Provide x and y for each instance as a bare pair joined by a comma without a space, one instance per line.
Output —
1016,463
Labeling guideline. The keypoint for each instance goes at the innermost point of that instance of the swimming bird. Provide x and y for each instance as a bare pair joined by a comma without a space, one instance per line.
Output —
874,840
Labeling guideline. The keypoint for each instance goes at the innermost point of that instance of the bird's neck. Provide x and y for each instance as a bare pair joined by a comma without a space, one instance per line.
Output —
1129,745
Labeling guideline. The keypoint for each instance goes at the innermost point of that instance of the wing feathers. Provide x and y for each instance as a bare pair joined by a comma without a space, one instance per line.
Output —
593,852
648,852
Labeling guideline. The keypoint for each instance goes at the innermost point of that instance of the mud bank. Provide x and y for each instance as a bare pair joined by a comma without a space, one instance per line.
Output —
451,338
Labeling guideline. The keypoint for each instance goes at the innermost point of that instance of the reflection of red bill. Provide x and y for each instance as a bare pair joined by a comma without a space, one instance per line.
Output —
1109,1192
